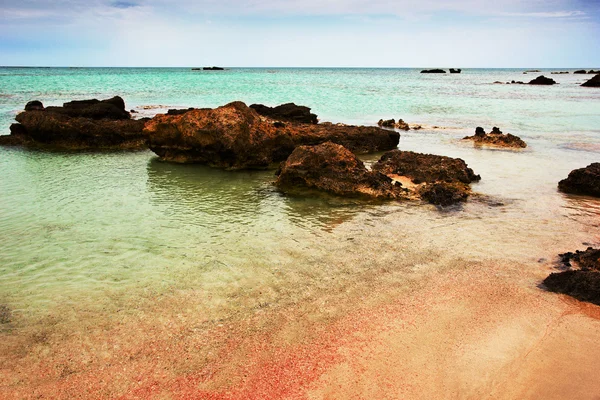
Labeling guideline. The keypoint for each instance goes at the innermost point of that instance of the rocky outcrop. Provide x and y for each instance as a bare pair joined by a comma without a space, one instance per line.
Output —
391,123
433,71
496,139
332,168
444,194
213,69
582,285
236,136
594,82
580,71
455,71
542,80
287,112
84,124
425,168
585,181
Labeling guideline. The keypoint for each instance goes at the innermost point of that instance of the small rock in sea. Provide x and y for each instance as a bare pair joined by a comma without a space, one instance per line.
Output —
542,80
591,71
132,111
580,71
391,123
516,82
433,71
498,82
416,127
455,71
583,181
594,82
34,105
496,138
213,69
532,70
560,72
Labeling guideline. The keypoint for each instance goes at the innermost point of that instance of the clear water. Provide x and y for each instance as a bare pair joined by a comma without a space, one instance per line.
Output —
94,233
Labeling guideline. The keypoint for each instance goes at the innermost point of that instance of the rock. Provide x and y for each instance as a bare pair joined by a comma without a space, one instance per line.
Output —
542,80
516,82
585,181
416,127
560,72
455,71
444,194
433,71
498,82
425,168
581,71
173,111
34,105
591,71
391,123
588,260
532,70
213,69
287,112
196,69
236,136
582,285
333,168
86,124
496,138
5,315
594,82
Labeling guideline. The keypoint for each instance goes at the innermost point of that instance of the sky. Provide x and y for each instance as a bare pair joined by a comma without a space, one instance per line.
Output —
306,33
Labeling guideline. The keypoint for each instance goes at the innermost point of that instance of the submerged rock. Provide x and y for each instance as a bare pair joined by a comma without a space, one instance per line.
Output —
582,285
425,168
433,71
594,82
332,168
496,138
542,80
84,124
444,194
236,136
584,181
287,112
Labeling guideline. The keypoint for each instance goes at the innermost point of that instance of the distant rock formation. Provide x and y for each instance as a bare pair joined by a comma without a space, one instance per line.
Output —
542,80
580,71
532,70
84,124
433,71
391,123
594,82
584,181
287,112
496,138
559,72
213,69
455,71
236,136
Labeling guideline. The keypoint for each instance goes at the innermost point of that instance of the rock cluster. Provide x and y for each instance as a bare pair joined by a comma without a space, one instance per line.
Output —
84,124
594,82
236,136
391,123
583,283
496,138
585,181
583,71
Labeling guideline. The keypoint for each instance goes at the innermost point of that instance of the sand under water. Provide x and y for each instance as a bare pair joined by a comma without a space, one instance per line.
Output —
125,277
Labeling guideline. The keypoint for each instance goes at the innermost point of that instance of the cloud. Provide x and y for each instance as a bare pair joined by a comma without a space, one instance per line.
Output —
124,4
553,14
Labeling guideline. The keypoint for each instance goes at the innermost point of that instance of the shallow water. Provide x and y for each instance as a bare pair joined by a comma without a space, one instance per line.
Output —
95,233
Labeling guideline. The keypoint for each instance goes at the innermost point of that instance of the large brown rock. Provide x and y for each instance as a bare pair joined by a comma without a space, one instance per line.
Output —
594,82
496,139
425,168
584,181
86,124
236,136
332,168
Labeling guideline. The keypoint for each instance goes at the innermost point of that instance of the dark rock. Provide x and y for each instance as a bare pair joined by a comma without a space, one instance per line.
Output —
591,71
86,124
516,82
388,123
174,111
581,71
433,71
496,138
34,105
444,194
532,70
594,82
585,181
582,285
560,72
586,260
455,71
236,136
542,80
213,69
196,69
332,168
132,111
425,168
287,112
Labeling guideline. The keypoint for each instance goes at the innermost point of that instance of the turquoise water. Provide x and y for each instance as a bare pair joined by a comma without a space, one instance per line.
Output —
84,231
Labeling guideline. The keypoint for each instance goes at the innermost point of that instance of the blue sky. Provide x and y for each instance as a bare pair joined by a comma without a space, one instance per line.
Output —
344,33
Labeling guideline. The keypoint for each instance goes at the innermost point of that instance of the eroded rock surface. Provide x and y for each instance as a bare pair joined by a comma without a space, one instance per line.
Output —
496,138
585,181
332,168
236,136
84,124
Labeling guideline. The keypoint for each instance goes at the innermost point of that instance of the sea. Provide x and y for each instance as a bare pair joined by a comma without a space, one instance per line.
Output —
89,236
